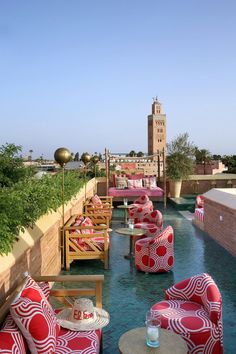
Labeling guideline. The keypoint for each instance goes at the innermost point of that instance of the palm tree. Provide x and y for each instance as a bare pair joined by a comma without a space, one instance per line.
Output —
203,157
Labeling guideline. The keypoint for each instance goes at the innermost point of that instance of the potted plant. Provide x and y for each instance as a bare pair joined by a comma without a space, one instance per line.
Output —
179,162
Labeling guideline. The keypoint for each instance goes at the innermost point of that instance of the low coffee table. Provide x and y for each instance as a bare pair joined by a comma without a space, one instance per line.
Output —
132,233
134,341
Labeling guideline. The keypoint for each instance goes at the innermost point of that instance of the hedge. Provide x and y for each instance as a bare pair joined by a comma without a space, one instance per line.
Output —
22,204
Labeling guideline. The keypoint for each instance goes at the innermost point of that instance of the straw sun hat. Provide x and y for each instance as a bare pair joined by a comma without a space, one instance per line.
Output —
83,316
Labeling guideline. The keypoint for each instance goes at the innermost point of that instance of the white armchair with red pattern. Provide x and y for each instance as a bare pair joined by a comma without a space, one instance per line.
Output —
155,254
141,206
152,222
193,309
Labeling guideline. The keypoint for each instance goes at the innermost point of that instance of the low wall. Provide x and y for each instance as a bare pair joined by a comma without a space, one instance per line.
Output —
220,217
199,184
38,249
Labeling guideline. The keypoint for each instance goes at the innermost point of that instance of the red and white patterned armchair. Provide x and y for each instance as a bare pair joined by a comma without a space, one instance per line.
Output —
141,206
193,309
155,254
152,222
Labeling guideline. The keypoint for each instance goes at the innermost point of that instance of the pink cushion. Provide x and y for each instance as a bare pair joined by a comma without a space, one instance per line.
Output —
87,222
149,182
135,192
135,183
35,318
96,200
11,338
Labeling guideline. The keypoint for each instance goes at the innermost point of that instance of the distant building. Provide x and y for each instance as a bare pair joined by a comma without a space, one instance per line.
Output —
156,129
210,168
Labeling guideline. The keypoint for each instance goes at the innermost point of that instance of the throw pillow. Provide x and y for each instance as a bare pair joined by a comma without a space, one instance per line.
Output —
11,338
87,222
96,201
149,182
135,183
121,183
35,318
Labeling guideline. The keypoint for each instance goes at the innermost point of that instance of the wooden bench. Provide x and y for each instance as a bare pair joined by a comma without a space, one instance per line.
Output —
81,244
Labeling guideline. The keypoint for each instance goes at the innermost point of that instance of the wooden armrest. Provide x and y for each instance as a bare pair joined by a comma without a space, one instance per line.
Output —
63,294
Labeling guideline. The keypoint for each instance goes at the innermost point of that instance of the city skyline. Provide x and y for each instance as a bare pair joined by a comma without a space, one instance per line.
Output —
82,74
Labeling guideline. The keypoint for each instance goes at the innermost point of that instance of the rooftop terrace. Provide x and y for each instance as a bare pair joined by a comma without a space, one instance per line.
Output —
128,294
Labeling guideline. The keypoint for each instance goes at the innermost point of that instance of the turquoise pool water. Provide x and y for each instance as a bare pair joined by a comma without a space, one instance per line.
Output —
128,294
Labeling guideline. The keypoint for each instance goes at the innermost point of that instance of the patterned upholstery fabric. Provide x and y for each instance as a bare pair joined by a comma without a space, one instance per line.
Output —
200,201
155,255
96,201
193,309
73,342
11,338
135,183
141,206
199,214
151,221
150,182
35,318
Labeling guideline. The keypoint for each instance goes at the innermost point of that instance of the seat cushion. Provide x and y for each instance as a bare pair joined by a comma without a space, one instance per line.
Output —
73,342
11,338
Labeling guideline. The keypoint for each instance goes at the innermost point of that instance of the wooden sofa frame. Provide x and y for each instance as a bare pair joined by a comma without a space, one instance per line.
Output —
75,252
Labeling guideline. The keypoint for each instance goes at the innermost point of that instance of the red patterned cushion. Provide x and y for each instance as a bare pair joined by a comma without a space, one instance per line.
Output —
45,287
71,342
11,338
87,222
96,201
36,319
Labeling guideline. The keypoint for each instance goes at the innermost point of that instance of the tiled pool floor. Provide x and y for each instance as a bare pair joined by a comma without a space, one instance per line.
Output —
128,294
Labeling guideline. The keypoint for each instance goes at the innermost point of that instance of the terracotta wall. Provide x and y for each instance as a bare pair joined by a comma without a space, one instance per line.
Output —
202,186
37,250
220,224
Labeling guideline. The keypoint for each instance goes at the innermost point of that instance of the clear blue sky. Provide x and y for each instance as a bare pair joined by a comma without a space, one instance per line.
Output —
82,74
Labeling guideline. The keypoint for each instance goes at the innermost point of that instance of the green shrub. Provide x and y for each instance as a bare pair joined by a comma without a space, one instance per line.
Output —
24,202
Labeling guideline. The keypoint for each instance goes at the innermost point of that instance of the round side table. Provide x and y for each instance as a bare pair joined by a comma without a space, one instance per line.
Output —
134,342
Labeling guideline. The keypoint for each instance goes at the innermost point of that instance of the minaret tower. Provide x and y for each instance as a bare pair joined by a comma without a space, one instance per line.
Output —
156,129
